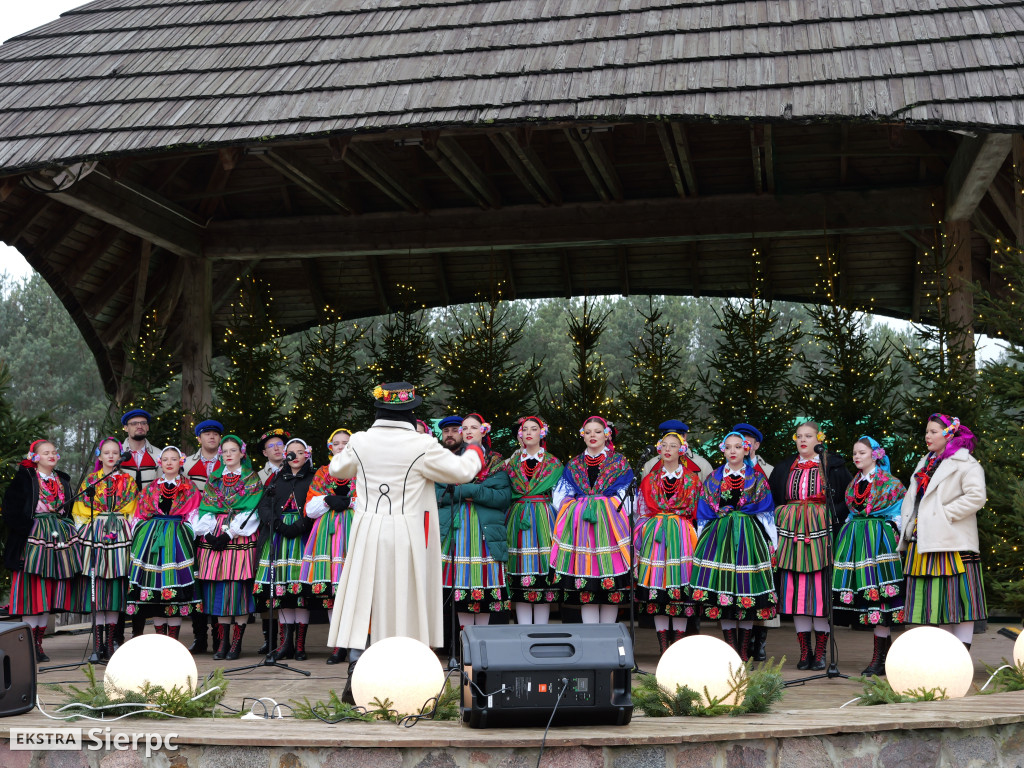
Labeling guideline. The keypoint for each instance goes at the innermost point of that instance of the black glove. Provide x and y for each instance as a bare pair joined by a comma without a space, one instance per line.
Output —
291,530
218,543
338,503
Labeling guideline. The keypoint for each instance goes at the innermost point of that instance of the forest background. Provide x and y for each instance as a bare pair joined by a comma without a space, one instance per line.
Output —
637,361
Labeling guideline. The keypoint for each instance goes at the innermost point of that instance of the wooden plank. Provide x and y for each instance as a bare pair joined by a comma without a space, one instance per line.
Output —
668,149
120,276
388,178
756,139
682,143
442,279
769,158
958,271
102,242
26,217
7,187
527,167
461,169
309,178
57,233
587,163
1018,187
139,297
971,172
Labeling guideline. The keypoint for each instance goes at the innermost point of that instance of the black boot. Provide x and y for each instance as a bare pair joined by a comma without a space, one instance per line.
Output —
236,642
37,635
877,665
758,641
98,649
110,638
300,642
338,656
729,635
222,640
138,625
119,630
269,631
287,648
346,695
804,638
744,644
820,647
665,639
200,623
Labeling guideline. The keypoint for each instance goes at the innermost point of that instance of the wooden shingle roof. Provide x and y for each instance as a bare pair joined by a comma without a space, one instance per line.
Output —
138,76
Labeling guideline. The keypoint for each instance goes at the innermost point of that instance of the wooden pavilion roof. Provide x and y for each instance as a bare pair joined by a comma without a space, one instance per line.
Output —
344,150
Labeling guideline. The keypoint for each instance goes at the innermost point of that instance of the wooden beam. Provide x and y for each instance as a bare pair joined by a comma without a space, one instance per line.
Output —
527,165
567,274
227,285
1003,203
223,164
101,243
442,279
623,258
460,168
373,264
139,299
958,272
756,140
844,147
7,186
510,276
120,276
769,158
196,342
669,150
373,166
28,215
1018,187
665,220
308,177
135,209
682,143
595,163
63,227
971,171
316,290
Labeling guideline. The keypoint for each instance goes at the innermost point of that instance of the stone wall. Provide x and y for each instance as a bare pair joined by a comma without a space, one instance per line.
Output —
989,747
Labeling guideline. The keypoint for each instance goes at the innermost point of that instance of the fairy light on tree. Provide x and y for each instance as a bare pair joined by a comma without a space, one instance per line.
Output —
399,347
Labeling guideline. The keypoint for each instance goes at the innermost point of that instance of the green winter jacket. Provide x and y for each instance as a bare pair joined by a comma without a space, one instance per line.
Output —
490,498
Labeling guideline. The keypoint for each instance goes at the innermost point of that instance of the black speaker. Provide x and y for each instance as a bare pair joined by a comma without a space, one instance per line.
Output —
513,675
17,668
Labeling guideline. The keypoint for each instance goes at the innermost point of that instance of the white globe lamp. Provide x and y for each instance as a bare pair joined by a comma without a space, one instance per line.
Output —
153,659
702,663
1018,650
401,669
929,658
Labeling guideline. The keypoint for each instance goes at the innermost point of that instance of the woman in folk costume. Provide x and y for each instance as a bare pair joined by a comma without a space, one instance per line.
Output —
939,525
474,540
732,562
805,548
104,538
591,541
329,506
533,473
226,530
283,529
40,551
867,583
664,539
161,579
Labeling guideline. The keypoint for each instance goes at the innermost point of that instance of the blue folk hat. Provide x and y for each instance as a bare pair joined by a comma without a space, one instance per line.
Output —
129,415
450,421
673,425
750,431
210,425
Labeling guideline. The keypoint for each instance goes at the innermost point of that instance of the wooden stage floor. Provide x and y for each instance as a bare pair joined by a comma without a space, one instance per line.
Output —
806,710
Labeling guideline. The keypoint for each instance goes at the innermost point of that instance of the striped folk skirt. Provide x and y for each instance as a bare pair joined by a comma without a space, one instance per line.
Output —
804,552
108,541
529,573
867,583
161,578
227,598
664,559
732,570
224,578
32,595
590,552
51,550
324,556
286,578
467,566
944,587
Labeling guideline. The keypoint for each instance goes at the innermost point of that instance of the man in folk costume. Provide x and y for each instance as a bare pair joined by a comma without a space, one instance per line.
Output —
759,635
451,433
271,443
198,468
691,462
391,583
143,466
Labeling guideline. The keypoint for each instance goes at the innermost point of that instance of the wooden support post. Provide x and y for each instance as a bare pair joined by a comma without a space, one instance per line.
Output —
316,290
685,158
196,342
756,140
958,275
1018,188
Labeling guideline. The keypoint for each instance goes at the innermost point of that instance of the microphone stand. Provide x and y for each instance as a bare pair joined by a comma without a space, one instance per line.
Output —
832,670
270,660
631,517
89,490
454,645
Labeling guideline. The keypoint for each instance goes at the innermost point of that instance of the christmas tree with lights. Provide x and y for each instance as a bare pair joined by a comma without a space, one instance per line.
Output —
658,391
149,384
399,348
585,392
749,372
251,385
333,387
480,369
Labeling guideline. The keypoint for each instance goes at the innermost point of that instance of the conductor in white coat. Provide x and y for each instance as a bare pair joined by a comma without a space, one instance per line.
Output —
391,583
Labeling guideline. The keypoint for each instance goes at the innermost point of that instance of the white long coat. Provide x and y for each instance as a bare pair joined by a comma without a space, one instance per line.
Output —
392,571
948,512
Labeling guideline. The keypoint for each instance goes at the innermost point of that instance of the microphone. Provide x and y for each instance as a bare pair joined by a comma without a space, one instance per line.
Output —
820,448
290,456
124,457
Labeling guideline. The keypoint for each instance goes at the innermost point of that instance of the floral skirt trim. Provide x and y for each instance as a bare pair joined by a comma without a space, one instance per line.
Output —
291,595
534,589
664,602
168,601
32,594
477,600
606,590
227,598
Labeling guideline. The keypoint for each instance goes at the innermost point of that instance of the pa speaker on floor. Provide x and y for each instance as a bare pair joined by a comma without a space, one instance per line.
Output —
17,668
513,675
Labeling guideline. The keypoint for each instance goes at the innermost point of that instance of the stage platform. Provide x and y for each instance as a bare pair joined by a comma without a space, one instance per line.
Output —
807,728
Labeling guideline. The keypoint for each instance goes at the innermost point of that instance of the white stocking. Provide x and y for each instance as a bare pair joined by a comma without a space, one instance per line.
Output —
242,620
301,615
483,619
661,623
467,619
287,615
225,619
591,614
820,624
541,612
964,631
524,613
679,623
802,623
747,624
175,622
881,631
159,622
729,623
609,613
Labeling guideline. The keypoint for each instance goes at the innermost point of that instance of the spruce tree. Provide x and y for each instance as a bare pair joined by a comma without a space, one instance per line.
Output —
149,382
251,386
399,348
749,371
480,369
585,392
658,390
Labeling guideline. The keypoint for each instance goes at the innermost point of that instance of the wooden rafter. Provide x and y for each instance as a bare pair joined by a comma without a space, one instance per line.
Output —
58,231
135,209
313,180
669,150
971,172
87,259
598,167
756,141
20,223
224,162
682,146
227,284
527,167
769,158
119,277
460,168
7,186
371,164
